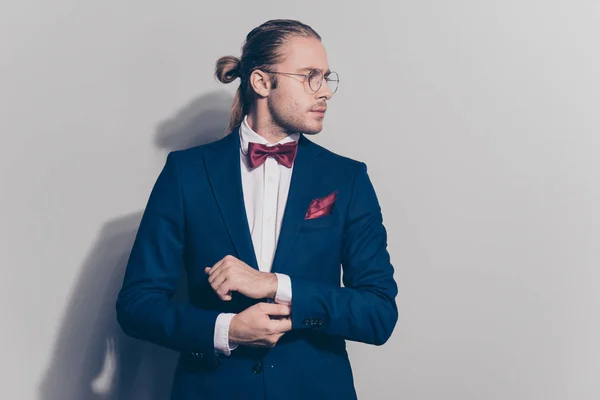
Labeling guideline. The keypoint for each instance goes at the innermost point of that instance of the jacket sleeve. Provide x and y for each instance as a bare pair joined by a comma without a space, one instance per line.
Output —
145,308
364,310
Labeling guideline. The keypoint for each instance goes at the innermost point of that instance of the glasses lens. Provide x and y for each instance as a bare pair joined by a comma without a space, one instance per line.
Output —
315,79
333,81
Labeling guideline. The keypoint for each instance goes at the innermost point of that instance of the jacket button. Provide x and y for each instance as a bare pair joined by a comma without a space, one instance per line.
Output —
257,368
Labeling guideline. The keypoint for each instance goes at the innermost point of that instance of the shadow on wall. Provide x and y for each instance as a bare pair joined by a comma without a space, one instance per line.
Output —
92,358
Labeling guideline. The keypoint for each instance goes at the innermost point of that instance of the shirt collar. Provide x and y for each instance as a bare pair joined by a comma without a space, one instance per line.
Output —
247,135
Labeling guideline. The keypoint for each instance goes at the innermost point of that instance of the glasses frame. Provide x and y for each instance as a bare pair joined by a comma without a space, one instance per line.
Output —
306,78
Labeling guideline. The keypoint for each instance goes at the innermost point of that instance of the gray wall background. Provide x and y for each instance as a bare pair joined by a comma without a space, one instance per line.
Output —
478,120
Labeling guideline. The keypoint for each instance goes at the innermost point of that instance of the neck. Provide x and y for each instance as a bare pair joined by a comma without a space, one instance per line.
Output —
263,124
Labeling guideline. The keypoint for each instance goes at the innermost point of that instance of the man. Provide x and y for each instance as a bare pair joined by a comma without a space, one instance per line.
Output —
261,221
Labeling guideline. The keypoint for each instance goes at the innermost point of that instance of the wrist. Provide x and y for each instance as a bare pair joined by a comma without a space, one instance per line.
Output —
231,331
272,286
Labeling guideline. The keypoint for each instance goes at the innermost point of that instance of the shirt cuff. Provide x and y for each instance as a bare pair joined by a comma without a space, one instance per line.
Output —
283,295
221,338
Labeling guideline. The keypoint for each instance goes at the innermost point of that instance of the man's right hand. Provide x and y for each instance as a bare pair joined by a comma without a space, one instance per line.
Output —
254,327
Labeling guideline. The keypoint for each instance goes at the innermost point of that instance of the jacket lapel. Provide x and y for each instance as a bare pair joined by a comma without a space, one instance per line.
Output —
303,188
224,173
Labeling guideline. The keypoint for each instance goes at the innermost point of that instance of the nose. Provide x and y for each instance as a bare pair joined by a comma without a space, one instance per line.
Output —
324,92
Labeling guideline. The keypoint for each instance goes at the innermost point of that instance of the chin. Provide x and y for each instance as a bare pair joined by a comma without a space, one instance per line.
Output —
313,129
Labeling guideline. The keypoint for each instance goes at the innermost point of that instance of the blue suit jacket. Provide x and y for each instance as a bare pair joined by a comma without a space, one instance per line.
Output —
195,216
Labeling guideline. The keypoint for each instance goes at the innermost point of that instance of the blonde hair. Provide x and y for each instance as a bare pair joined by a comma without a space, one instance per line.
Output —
261,50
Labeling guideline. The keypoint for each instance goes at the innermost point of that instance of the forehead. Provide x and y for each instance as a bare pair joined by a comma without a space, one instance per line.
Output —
304,53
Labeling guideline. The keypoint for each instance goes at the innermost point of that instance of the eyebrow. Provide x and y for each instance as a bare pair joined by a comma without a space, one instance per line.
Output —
326,72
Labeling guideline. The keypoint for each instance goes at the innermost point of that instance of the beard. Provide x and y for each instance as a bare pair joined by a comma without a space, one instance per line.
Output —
290,119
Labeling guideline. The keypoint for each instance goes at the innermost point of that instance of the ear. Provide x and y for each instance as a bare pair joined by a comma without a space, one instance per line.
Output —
260,82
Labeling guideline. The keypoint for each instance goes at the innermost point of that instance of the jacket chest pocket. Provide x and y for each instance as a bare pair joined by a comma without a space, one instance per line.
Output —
325,222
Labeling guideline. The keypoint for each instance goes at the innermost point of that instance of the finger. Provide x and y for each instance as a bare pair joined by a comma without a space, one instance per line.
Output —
215,275
223,289
215,267
281,325
227,297
218,281
219,264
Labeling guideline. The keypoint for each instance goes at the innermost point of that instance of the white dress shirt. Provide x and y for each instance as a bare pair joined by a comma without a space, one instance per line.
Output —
265,191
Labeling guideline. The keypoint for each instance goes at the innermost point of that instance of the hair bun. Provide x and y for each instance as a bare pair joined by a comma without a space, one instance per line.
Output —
227,69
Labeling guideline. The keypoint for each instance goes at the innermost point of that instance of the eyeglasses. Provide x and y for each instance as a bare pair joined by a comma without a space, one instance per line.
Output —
315,79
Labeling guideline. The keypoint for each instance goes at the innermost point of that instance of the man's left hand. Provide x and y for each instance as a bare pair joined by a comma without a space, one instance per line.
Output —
232,275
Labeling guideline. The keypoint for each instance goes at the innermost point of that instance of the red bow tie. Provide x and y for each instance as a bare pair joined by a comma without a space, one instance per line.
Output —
283,153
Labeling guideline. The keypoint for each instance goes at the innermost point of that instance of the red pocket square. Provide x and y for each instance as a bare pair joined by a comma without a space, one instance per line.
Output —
321,207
